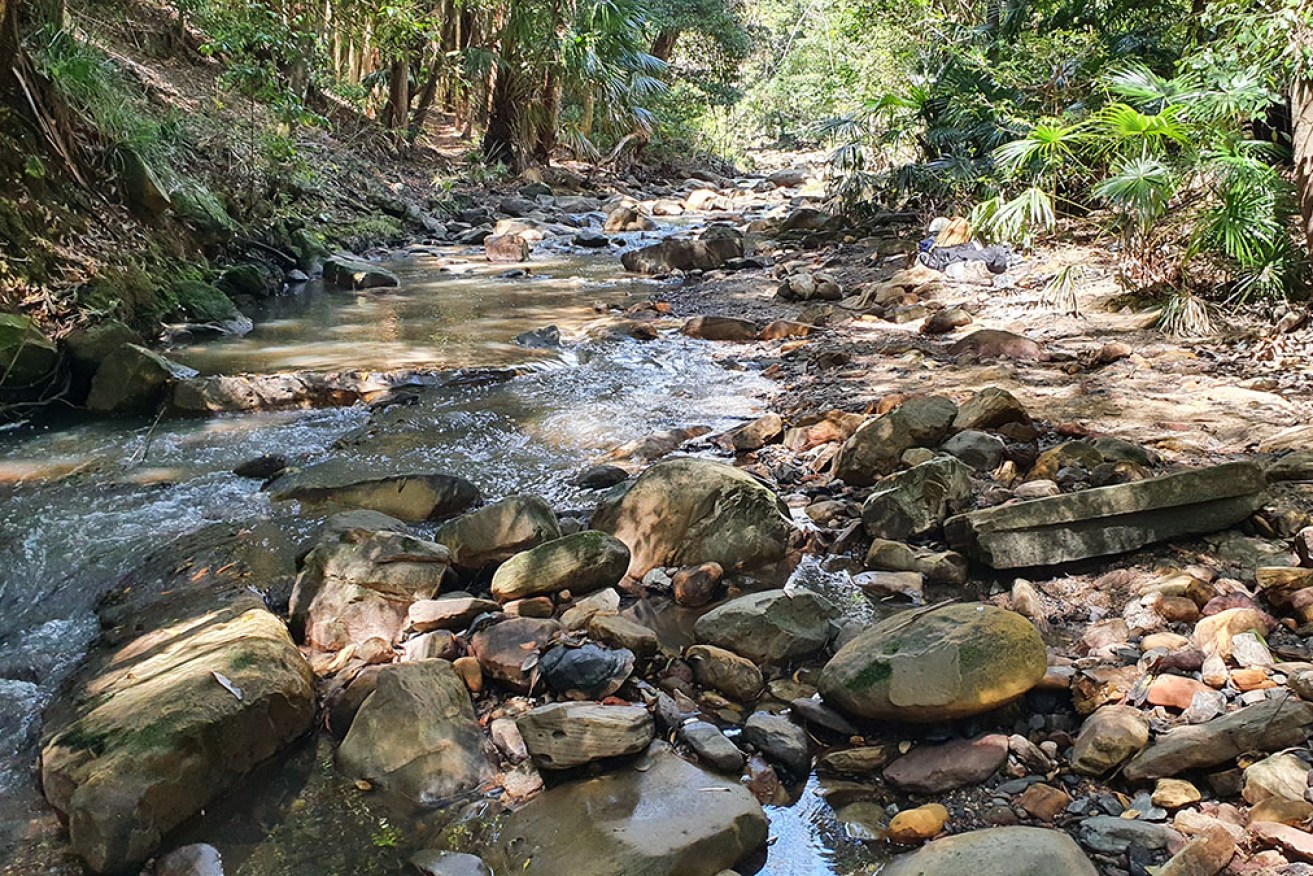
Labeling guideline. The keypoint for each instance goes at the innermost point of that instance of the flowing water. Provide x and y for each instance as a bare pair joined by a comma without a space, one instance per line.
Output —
85,501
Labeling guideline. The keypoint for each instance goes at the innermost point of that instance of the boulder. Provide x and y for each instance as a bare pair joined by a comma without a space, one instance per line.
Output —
436,862
754,435
155,729
996,851
416,735
712,746
1108,738
788,178
780,740
990,408
1109,520
349,272
506,650
1271,725
581,563
933,769
683,512
564,735
996,344
736,677
362,585
506,248
877,446
914,503
132,380
339,484
623,219
980,450
949,662
721,328
665,817
673,254
27,357
769,627
497,531
588,672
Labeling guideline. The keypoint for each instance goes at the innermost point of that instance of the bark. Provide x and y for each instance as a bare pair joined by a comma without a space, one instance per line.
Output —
426,97
664,44
499,136
1301,116
398,105
545,135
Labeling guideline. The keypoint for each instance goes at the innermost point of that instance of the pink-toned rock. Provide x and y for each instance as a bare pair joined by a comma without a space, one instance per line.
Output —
1205,855
1174,691
931,769
1294,842
1213,634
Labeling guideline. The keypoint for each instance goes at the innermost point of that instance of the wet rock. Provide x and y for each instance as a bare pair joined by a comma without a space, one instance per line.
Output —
508,651
416,735
721,328
923,665
600,477
666,818
780,740
497,531
1267,726
360,587
756,434
877,446
769,627
694,586
447,613
621,632
582,563
712,746
736,677
914,826
980,450
688,511
879,585
589,672
939,567
155,727
434,862
133,380
506,248
197,859
1108,520
673,254
27,357
996,344
560,736
353,273
262,468
1283,776
343,484
997,851
218,393
914,503
932,769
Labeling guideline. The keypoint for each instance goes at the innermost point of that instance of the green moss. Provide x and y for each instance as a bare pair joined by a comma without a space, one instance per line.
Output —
203,302
242,660
369,231
873,674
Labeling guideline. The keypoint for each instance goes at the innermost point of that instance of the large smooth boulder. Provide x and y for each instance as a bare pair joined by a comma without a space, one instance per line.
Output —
773,626
353,273
996,851
153,730
914,503
581,563
27,357
924,666
877,446
132,380
1109,520
416,735
684,512
664,817
564,735
496,532
362,586
673,254
339,484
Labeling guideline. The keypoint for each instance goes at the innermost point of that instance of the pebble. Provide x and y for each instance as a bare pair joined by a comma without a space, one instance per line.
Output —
912,826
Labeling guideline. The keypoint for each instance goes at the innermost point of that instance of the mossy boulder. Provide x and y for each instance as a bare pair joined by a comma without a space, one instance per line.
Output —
202,302
132,380
925,666
197,206
27,357
251,280
773,626
581,563
497,531
142,189
352,273
684,512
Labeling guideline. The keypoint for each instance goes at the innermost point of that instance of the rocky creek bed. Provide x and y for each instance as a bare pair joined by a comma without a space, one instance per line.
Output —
755,579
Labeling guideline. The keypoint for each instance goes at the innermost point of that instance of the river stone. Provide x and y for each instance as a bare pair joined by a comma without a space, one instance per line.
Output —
939,567
621,632
914,503
990,408
878,444
505,649
780,740
497,531
1113,835
721,328
996,851
581,563
153,731
343,484
27,357
447,613
1108,738
361,587
1283,776
673,254
946,663
353,273
682,512
736,677
416,735
665,817
435,862
1109,520
197,859
589,672
770,627
980,450
1271,725
712,746
132,380
933,769
564,735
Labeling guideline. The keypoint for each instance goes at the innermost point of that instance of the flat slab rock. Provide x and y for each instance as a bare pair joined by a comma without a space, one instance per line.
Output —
345,484
996,851
1109,520
564,735
661,817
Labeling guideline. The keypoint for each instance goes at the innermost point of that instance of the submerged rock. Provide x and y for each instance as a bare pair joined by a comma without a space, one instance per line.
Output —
665,817
936,665
682,512
344,485
1109,520
416,735
673,254
996,851
353,273
773,626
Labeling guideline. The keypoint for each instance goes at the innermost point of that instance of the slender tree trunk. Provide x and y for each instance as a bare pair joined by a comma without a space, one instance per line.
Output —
398,105
499,136
545,138
664,44
426,96
590,112
1301,127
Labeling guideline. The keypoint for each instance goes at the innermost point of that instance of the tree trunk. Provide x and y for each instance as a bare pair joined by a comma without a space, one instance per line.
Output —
1301,137
664,44
426,96
398,106
545,136
499,137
